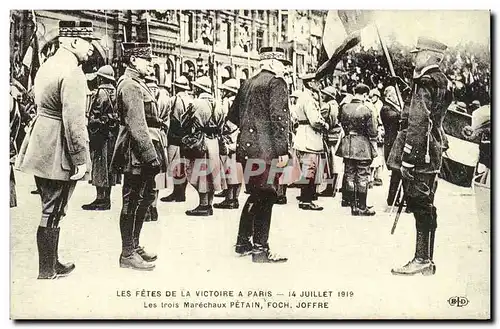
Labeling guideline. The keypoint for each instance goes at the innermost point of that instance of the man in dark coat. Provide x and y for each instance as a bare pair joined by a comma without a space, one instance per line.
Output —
390,116
357,149
56,149
138,152
103,128
261,111
418,149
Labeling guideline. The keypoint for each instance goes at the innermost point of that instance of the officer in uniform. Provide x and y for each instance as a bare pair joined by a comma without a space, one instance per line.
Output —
178,108
261,112
330,113
204,170
308,142
357,149
103,129
233,172
139,152
56,150
418,148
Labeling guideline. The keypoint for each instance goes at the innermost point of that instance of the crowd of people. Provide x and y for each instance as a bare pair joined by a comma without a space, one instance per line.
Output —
258,135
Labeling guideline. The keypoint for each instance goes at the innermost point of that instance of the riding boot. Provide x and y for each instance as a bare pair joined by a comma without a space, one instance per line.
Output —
363,210
421,262
62,269
245,231
46,239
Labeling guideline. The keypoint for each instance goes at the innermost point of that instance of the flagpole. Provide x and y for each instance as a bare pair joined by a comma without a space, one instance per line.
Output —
391,67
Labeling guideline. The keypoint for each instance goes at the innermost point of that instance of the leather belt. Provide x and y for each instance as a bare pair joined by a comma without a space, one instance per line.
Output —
303,122
50,113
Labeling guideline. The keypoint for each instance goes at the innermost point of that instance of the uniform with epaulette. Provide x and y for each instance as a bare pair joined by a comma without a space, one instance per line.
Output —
178,107
56,149
357,149
103,129
418,149
261,111
139,153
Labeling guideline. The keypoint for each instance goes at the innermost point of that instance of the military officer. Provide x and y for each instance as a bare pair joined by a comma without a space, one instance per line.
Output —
308,142
103,129
233,172
261,111
178,108
375,105
56,150
330,113
418,148
357,150
204,169
139,152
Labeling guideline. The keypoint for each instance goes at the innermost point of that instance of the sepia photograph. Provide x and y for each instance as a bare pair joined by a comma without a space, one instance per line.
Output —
250,164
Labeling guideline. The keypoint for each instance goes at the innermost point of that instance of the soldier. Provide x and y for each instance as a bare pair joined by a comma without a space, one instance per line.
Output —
178,108
233,171
103,128
308,142
139,152
203,125
375,105
330,113
357,149
390,115
261,111
56,149
418,148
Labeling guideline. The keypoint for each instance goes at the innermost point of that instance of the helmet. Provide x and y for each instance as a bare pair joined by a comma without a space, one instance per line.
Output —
329,91
106,72
374,92
204,83
231,85
182,82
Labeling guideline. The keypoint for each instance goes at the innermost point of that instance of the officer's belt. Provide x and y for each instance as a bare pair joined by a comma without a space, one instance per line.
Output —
303,122
50,113
155,124
354,133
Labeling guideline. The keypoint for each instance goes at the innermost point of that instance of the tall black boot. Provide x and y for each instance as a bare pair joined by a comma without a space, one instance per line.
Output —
363,210
62,269
421,262
261,252
244,243
46,239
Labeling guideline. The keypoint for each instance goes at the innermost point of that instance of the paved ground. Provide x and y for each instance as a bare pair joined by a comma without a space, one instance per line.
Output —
329,252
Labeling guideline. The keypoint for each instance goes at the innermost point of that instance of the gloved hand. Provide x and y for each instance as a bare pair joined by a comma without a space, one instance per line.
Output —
407,172
153,167
282,161
79,172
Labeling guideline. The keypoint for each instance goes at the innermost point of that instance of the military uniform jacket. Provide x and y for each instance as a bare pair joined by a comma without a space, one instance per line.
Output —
330,113
390,116
261,111
178,105
139,124
58,140
359,127
421,141
309,136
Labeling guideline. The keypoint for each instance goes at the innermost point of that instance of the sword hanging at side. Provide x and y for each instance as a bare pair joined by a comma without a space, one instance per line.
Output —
400,207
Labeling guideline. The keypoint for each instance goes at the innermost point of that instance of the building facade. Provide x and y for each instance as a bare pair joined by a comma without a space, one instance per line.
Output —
187,42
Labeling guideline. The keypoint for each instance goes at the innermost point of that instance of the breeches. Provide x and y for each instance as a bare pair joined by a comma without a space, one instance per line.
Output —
55,195
357,175
420,194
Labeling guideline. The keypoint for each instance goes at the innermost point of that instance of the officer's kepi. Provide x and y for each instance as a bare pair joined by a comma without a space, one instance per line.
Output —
425,43
138,49
77,29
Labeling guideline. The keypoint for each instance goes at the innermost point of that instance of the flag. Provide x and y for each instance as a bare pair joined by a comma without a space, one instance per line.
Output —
459,161
342,32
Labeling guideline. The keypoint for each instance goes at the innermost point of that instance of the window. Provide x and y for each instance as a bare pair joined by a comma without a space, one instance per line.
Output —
187,27
260,39
246,12
261,14
228,35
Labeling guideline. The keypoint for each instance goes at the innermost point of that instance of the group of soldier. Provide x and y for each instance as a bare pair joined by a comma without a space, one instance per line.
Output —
257,134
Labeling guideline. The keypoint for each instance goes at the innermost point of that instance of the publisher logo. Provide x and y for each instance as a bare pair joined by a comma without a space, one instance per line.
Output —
458,301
